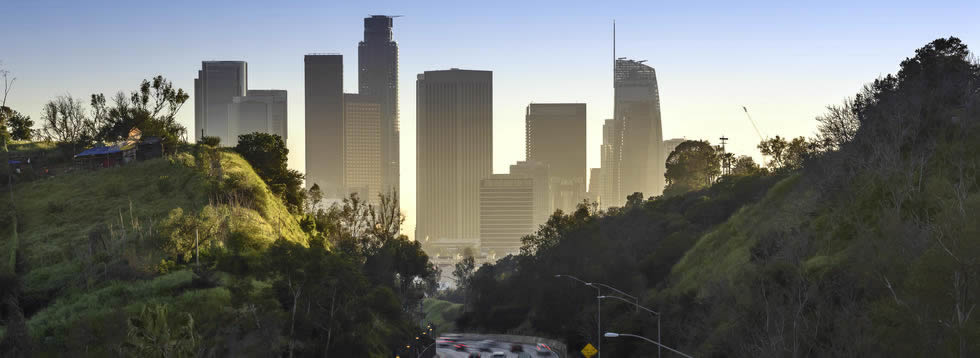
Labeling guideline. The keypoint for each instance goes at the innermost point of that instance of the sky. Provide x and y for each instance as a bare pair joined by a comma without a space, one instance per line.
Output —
784,60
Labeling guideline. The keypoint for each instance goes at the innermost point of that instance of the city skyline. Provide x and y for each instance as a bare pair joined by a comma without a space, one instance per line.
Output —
813,68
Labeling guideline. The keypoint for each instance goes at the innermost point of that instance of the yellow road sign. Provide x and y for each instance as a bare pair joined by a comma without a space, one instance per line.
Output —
589,350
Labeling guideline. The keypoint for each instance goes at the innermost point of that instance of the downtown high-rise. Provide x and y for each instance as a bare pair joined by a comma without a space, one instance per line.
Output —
216,86
362,147
637,106
555,135
324,90
454,149
261,111
377,71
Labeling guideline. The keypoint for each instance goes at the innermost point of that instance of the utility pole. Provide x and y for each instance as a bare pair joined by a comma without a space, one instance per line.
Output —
724,156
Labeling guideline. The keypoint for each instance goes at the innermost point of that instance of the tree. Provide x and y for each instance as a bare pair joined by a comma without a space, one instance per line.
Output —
64,120
838,126
152,108
693,165
745,165
21,127
267,153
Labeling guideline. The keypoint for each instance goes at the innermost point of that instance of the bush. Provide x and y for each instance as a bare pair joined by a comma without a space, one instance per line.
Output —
164,185
56,207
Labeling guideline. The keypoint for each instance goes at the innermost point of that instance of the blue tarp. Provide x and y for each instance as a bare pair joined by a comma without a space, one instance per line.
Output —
12,162
99,151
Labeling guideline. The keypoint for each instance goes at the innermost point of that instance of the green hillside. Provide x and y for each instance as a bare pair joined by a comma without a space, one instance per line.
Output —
96,246
862,241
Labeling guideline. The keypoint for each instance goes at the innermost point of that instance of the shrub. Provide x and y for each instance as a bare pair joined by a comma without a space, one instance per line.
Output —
165,185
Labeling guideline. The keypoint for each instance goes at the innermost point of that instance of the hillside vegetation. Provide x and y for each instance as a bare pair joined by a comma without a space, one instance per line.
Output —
96,241
867,245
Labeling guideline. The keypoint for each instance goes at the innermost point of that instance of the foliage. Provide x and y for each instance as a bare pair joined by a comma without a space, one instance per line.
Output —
152,108
150,334
15,125
63,119
267,153
693,165
865,247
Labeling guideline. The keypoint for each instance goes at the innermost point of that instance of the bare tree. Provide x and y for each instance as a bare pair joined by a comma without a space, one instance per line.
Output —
838,126
64,119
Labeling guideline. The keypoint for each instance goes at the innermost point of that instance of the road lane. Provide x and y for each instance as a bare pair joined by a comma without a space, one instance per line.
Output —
450,352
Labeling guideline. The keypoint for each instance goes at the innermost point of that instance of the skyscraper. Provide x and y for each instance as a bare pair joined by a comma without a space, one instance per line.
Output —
259,111
538,172
555,135
506,212
595,185
610,193
217,83
324,85
637,104
362,146
455,151
377,58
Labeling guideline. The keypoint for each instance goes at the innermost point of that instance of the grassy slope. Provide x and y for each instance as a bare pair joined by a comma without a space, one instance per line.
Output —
718,254
57,215
442,313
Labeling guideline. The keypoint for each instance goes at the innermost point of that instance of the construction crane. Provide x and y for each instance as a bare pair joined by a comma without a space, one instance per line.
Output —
761,137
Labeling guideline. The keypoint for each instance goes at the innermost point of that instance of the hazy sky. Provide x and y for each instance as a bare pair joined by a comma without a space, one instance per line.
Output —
784,60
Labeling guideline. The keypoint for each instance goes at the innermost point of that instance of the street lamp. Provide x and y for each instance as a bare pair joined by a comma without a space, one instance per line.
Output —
638,307
598,310
616,335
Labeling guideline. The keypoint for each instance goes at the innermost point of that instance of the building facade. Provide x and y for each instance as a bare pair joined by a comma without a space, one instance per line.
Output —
595,185
362,147
324,90
555,135
637,104
506,213
454,152
216,85
611,193
377,58
261,111
543,201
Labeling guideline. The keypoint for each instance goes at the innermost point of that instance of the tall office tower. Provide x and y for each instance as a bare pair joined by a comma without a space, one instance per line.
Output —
555,135
611,153
377,58
217,83
538,172
324,83
637,104
455,151
259,111
362,146
506,213
595,185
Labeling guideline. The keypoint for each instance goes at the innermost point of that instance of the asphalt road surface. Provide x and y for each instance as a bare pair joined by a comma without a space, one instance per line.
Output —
450,352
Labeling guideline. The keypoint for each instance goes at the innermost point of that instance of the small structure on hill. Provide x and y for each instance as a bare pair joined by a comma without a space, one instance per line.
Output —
133,148
105,156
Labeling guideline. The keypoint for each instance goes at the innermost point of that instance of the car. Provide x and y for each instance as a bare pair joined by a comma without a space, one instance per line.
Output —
499,355
543,349
474,355
461,347
487,345
514,348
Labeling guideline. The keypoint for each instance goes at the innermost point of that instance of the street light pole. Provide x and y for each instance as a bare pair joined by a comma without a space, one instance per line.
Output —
598,310
638,307
615,335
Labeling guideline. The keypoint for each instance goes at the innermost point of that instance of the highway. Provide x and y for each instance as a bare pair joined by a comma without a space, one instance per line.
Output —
450,352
